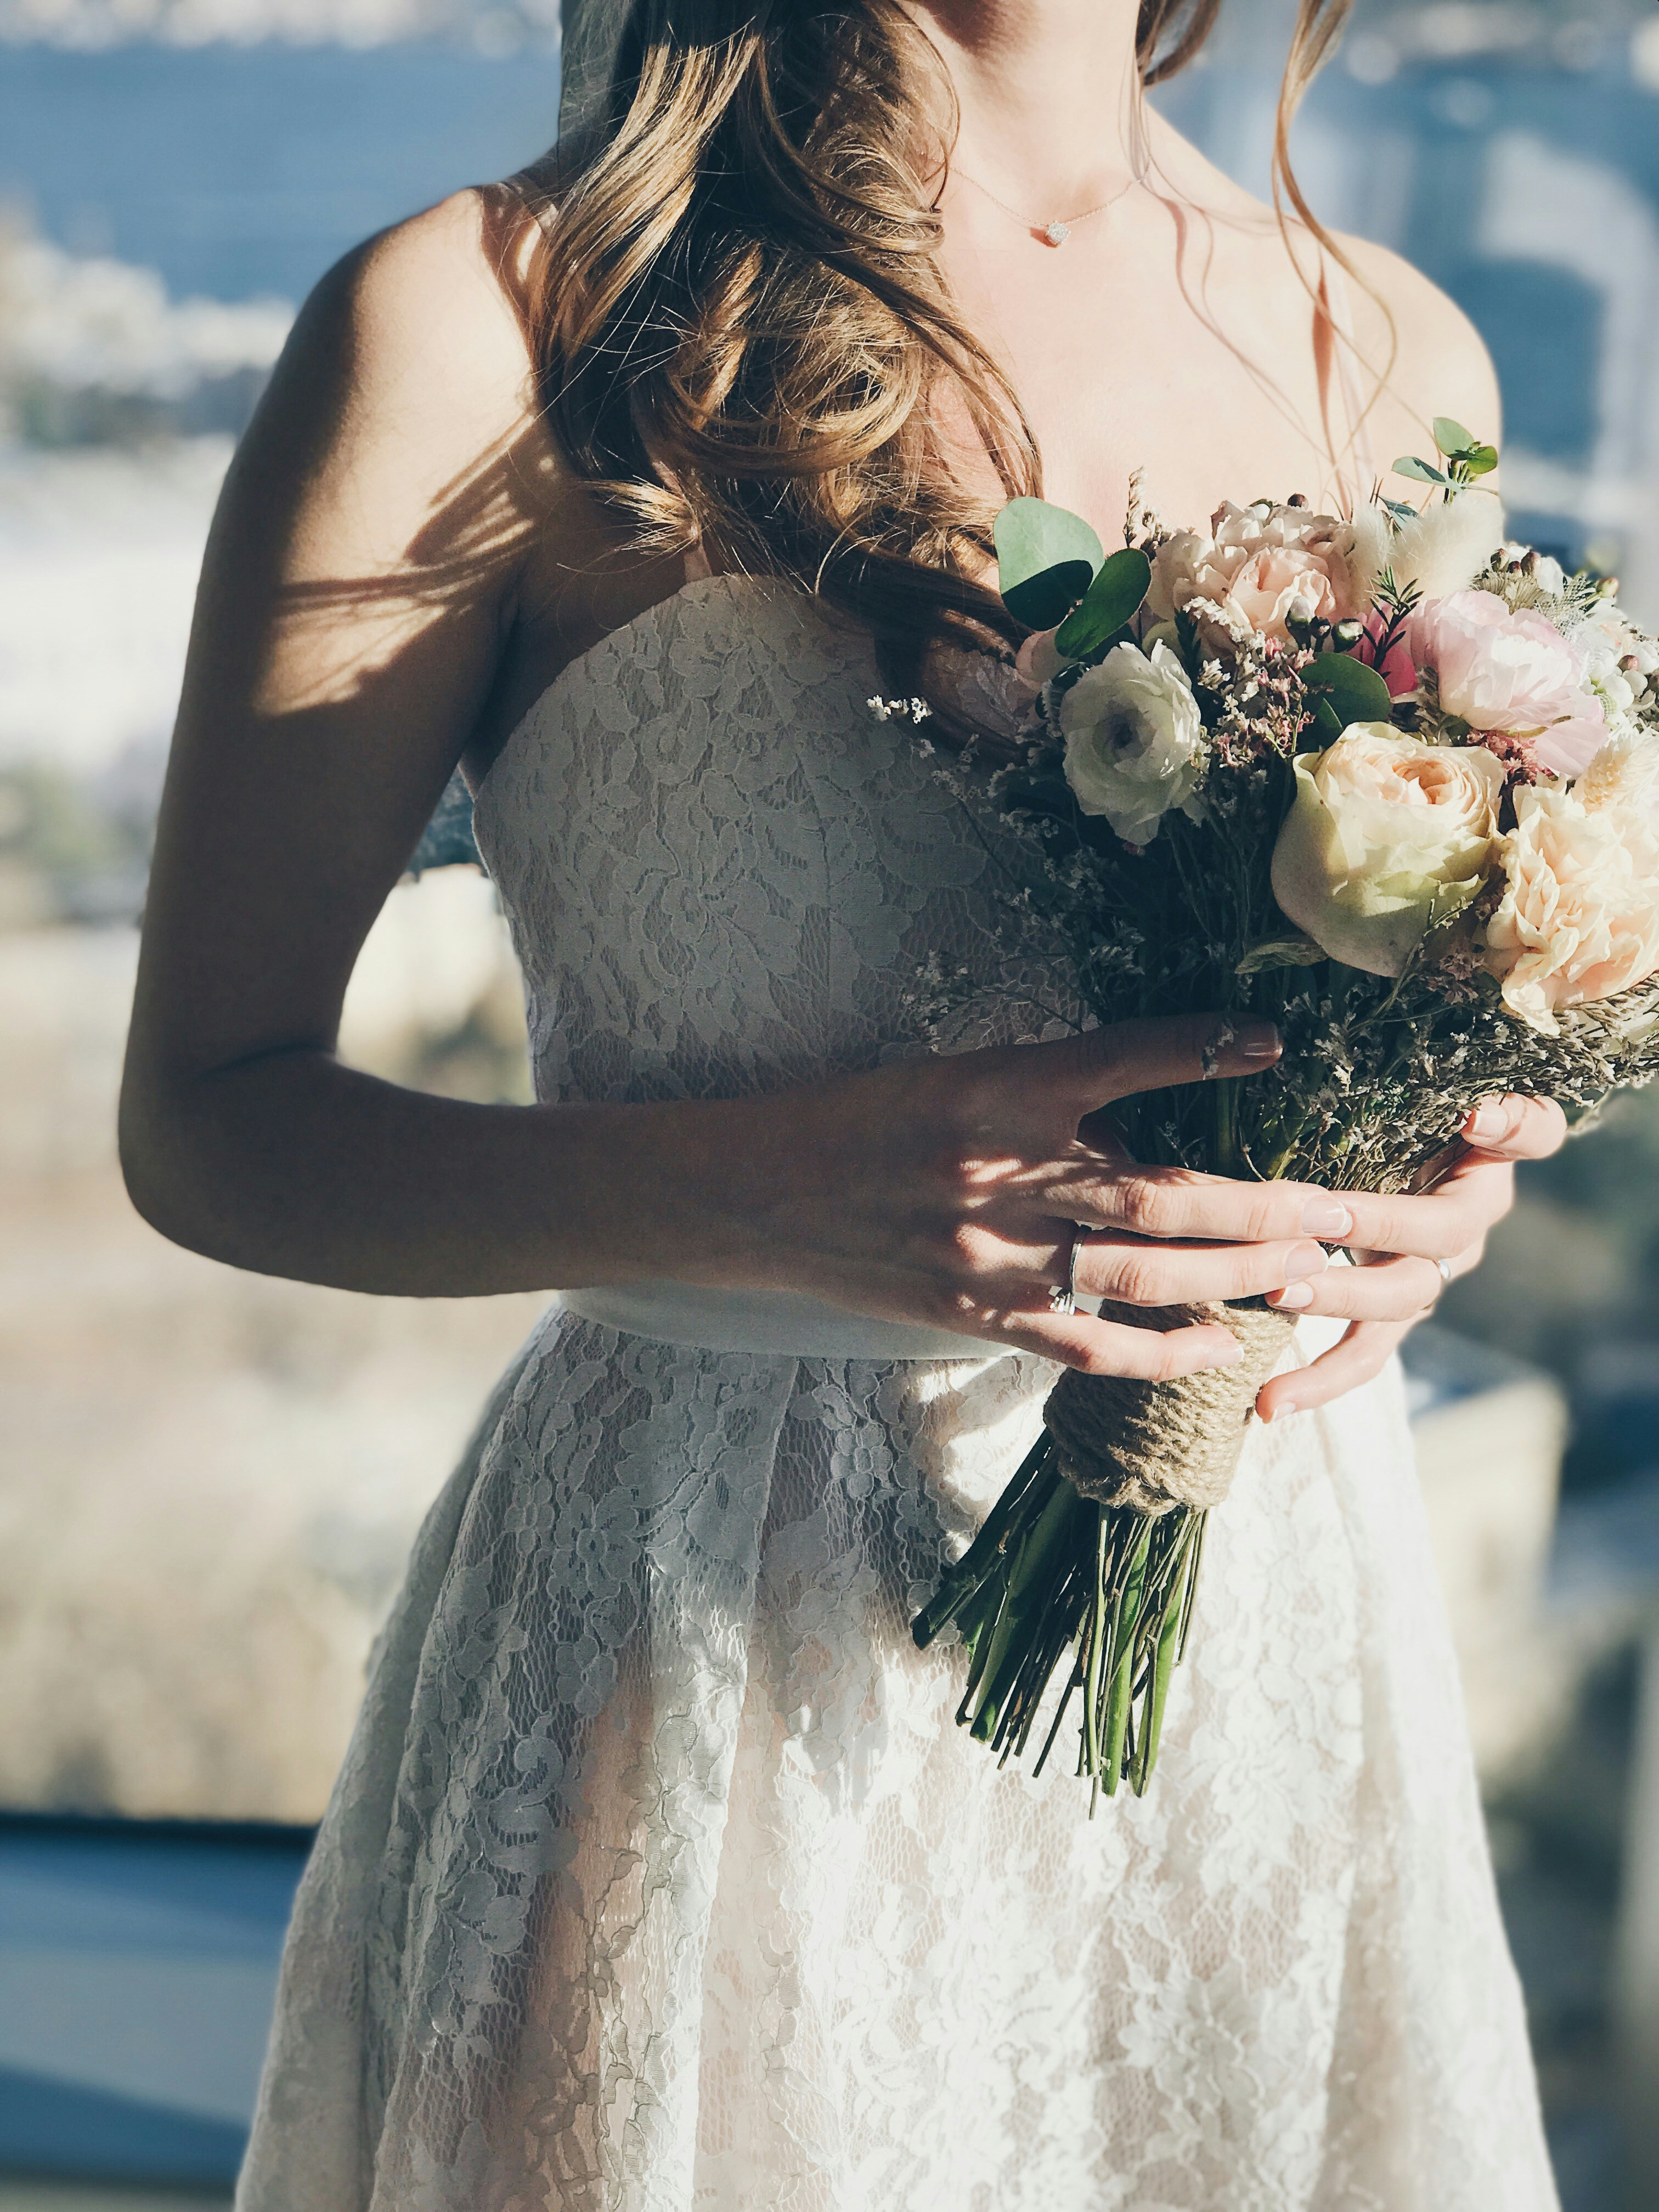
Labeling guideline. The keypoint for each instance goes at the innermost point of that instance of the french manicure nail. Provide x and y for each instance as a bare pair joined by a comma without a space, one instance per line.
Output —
1323,1216
1293,1295
1303,1260
1489,1120
1284,1406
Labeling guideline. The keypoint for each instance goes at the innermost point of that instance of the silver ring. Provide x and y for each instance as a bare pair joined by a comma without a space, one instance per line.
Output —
1062,1297
1444,1266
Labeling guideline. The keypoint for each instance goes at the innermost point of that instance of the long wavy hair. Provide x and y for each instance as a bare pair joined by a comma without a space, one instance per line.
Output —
743,333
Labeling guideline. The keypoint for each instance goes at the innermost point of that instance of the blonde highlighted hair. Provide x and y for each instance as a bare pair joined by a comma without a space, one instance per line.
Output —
744,335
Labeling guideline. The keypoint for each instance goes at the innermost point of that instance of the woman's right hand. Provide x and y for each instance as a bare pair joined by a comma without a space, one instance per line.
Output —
944,1192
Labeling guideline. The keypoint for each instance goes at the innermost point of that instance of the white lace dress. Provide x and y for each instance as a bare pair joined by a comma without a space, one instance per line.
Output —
659,1878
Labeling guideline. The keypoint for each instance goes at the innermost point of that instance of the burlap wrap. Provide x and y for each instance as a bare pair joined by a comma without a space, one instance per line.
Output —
1156,1445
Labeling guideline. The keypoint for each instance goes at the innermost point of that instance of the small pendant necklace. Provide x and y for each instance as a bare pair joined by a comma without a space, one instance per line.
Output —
1056,232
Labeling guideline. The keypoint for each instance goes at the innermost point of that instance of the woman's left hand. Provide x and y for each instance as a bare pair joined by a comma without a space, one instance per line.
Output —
1392,1286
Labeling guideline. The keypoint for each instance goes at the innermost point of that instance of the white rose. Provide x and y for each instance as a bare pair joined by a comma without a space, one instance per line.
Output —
1387,835
1134,739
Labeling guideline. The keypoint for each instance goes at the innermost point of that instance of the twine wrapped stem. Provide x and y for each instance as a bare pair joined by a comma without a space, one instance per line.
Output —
1152,1446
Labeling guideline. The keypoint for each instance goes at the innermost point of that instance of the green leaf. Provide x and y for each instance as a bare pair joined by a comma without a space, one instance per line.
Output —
1352,691
1451,438
1419,471
1480,460
1107,605
1047,558
1327,727
1297,952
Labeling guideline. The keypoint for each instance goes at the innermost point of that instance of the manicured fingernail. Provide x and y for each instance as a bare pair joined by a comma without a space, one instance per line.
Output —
1284,1406
1230,1355
1491,1120
1303,1260
1257,1041
1323,1216
1292,1296
1232,1045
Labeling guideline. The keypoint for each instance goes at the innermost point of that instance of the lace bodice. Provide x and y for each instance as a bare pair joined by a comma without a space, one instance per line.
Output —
659,1878
723,872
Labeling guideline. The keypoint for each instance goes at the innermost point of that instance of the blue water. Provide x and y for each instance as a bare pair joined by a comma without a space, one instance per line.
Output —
242,170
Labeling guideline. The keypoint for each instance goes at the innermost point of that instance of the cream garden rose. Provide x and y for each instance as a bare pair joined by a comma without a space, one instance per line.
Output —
1579,919
1134,739
1386,835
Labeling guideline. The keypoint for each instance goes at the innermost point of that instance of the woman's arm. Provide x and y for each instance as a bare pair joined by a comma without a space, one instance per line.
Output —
363,591
359,588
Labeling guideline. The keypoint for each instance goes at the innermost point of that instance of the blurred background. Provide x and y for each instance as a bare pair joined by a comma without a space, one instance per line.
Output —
208,1480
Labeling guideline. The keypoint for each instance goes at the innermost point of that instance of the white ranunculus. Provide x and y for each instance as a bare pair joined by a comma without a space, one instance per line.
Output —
1134,739
1386,835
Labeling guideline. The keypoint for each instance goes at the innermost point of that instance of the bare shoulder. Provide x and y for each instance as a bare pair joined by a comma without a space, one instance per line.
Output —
1421,355
1430,358
414,344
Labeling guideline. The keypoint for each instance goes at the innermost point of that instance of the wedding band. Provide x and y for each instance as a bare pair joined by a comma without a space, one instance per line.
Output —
1062,1297
1444,1266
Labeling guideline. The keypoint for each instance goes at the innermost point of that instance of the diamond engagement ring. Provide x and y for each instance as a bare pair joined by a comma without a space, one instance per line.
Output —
1062,1297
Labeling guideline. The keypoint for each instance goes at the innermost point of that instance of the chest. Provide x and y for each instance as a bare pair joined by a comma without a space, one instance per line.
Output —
1205,370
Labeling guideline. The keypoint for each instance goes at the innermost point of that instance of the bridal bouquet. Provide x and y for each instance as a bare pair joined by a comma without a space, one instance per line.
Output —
1388,781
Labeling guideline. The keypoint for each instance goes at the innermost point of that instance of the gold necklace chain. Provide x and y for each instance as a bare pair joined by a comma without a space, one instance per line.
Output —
1059,230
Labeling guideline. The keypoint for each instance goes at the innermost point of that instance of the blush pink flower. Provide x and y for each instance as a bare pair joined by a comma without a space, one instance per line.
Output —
1037,662
1258,565
1579,919
1510,674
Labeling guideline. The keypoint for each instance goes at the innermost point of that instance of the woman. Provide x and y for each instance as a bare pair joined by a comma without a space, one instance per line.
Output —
659,1875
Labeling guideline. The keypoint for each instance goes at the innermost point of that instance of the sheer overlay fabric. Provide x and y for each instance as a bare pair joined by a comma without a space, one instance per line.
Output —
659,1878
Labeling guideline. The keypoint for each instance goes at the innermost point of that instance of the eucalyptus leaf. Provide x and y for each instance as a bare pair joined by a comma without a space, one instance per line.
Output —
1106,607
1451,438
1047,558
1296,951
1351,689
1419,471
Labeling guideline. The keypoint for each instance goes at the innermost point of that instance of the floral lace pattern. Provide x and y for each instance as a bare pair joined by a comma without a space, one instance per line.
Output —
659,1878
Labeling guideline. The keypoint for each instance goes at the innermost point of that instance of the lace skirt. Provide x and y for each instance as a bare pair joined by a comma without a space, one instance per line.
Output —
659,1878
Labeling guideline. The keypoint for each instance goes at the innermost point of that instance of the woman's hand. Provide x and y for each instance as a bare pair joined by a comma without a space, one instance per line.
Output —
1408,1250
944,1192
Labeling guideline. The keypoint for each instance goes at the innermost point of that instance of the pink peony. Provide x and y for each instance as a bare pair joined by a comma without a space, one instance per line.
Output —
1511,673
1258,565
